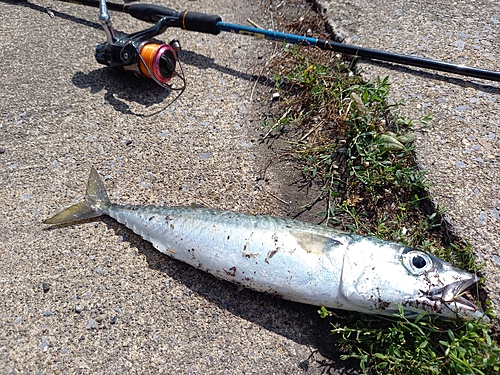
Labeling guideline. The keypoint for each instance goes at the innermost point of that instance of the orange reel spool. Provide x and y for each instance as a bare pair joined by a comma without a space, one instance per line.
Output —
160,59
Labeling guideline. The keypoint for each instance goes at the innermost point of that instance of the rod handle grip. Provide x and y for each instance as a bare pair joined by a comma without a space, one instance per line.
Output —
201,22
192,21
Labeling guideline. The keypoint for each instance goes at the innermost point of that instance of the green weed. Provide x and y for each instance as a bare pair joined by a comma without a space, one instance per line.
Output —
419,346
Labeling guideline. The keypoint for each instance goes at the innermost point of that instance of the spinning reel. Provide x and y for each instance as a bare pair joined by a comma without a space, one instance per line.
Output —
139,53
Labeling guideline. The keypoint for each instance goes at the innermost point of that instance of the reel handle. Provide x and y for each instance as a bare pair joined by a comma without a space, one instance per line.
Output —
192,21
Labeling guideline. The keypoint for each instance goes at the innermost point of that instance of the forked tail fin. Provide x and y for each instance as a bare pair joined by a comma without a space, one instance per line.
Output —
96,203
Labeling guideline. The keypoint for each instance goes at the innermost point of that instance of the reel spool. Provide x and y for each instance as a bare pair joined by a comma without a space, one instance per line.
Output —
160,59
156,61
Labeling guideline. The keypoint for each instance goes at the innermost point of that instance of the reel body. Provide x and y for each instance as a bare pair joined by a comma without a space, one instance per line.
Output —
139,52
157,61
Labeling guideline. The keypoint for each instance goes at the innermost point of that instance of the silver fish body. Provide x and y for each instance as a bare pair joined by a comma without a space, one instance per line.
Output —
297,261
284,257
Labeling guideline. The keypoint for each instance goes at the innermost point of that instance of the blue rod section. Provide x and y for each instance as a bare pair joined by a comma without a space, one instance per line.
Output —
266,34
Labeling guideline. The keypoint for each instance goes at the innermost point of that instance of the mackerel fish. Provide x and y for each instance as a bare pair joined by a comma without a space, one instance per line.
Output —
297,261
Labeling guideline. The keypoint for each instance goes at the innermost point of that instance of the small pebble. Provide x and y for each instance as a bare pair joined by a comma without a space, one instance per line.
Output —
496,259
45,287
47,313
483,216
78,309
91,324
460,44
276,96
44,344
462,108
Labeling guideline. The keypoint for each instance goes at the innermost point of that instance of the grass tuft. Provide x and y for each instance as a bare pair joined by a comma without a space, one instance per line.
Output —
419,346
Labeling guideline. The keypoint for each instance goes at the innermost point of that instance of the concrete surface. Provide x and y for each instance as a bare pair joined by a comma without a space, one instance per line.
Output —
461,147
94,298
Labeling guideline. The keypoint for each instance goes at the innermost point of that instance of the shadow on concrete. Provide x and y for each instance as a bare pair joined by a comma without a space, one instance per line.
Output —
203,62
80,21
123,87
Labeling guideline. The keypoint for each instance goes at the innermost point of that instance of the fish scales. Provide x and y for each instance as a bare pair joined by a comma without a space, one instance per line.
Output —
297,261
288,258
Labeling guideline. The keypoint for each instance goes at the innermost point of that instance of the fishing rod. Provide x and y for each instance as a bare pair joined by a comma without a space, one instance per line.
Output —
212,24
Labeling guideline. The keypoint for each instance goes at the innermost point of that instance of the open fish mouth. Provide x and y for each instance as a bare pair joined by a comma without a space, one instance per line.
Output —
456,292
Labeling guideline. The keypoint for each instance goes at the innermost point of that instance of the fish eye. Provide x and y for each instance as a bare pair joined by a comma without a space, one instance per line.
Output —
416,262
